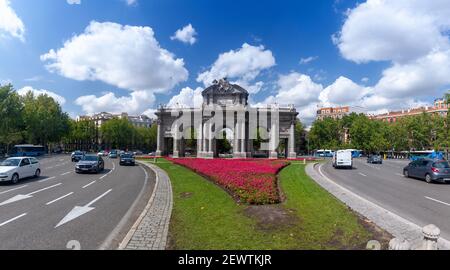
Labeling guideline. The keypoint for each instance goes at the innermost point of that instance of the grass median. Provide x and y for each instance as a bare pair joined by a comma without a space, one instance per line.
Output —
206,217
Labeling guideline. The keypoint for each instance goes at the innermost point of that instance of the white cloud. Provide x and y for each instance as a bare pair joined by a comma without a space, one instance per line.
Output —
10,23
398,30
297,89
186,35
136,103
307,60
187,97
244,65
37,92
343,92
128,57
73,2
412,35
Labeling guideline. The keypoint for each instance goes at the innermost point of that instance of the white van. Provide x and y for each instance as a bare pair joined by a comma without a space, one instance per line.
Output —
343,159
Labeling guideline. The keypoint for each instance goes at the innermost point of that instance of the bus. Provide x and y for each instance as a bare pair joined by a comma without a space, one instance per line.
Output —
431,154
324,153
355,153
27,150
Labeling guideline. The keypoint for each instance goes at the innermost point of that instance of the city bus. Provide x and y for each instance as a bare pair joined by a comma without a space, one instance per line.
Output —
431,154
27,150
355,153
324,153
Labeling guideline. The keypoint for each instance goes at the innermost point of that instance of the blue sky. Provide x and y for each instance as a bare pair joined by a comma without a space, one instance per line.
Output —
350,57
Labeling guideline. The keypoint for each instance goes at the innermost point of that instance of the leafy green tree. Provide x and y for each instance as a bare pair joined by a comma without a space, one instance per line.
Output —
118,133
44,119
325,134
11,120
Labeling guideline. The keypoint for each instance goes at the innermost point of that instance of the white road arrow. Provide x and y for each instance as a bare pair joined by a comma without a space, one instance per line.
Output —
21,197
78,211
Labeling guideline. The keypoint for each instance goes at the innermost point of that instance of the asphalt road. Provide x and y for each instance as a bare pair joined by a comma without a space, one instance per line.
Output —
412,199
61,208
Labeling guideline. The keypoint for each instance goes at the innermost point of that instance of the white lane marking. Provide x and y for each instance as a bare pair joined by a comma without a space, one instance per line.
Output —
21,197
78,211
42,189
11,220
91,183
65,173
60,198
9,190
438,201
114,166
399,174
61,159
48,168
103,176
47,179
363,174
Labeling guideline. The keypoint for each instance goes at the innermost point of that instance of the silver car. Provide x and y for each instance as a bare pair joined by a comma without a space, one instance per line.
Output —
429,170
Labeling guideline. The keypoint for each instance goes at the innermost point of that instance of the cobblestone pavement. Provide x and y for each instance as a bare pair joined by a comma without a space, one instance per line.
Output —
394,224
153,226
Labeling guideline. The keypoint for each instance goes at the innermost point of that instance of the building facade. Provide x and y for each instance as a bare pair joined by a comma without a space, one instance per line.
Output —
440,107
337,112
225,107
100,118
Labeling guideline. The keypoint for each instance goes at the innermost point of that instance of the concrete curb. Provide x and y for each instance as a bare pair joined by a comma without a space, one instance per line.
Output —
392,223
151,229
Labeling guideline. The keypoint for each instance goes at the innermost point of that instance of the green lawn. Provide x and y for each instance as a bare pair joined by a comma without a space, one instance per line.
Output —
206,217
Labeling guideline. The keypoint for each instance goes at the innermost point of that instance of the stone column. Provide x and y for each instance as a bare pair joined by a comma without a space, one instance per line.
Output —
292,153
210,138
176,153
205,134
236,141
243,140
209,153
273,146
199,140
159,140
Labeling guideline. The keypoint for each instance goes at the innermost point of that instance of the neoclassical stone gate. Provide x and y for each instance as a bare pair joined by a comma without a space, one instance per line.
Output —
225,106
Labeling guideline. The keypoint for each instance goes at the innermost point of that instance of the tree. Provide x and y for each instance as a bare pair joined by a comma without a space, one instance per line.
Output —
325,134
118,133
45,121
11,123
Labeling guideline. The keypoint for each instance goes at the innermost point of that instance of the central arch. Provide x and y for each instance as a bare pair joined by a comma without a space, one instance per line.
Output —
224,142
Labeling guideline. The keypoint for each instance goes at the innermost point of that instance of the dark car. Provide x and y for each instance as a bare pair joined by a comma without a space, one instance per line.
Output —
375,159
77,156
429,170
127,159
90,164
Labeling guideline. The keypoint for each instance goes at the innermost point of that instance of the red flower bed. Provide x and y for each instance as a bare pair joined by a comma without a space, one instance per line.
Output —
252,180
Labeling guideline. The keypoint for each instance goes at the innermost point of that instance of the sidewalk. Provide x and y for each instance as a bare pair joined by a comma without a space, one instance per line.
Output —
151,230
394,224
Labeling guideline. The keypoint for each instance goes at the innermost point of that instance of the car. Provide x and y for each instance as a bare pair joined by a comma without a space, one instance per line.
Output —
429,170
77,156
90,164
101,153
113,154
375,159
17,168
127,159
